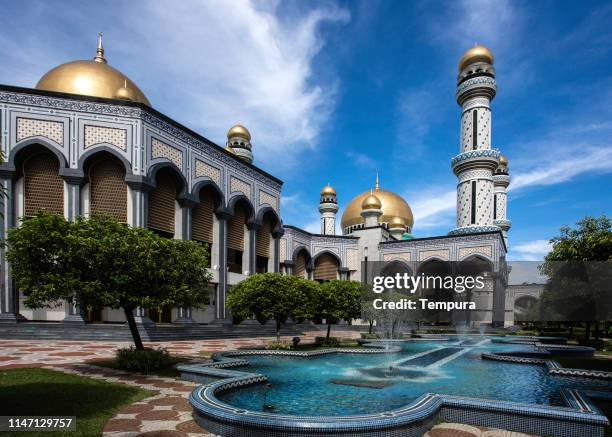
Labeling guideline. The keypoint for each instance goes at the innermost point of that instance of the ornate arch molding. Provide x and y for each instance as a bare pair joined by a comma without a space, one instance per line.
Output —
206,182
241,198
32,145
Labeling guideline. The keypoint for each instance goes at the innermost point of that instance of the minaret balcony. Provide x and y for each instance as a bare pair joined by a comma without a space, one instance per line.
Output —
481,159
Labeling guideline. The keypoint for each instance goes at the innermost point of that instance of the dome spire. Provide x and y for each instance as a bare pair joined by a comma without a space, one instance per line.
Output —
377,186
100,50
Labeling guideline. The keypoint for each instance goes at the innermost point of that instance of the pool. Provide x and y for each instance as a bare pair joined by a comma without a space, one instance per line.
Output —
397,389
338,385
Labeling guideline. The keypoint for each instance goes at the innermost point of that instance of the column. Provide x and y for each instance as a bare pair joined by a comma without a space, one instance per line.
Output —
187,205
343,273
138,197
289,267
249,257
219,257
74,181
9,300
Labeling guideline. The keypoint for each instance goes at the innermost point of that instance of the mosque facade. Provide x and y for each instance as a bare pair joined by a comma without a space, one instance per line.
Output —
86,141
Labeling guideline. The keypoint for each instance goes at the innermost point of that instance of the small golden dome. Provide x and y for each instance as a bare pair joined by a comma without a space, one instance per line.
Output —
477,53
371,202
239,131
392,205
125,93
503,160
90,78
328,190
397,223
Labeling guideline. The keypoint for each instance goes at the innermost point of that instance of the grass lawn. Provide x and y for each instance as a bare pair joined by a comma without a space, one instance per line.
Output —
43,392
168,371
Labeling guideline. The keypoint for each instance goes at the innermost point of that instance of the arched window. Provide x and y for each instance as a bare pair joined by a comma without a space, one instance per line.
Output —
43,187
162,204
301,261
107,189
263,241
326,268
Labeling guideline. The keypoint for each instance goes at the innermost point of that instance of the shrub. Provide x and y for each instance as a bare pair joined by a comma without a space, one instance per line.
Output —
279,345
142,360
367,336
327,342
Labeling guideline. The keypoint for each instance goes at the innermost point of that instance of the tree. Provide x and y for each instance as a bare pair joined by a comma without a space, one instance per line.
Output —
338,300
271,296
105,263
578,268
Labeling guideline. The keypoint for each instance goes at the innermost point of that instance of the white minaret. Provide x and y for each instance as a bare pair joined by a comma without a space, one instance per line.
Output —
501,180
328,207
476,162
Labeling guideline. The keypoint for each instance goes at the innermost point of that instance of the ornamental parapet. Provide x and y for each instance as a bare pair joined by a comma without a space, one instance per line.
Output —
502,180
484,158
473,229
477,86
503,223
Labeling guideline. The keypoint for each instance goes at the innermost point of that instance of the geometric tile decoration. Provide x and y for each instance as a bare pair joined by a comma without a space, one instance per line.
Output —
404,256
163,150
203,169
109,135
484,250
283,249
268,198
443,254
30,127
240,186
352,259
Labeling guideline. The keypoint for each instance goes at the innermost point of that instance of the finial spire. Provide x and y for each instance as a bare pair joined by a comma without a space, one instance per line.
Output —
100,50
377,186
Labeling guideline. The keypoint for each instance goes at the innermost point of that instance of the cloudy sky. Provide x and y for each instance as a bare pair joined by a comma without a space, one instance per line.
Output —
333,91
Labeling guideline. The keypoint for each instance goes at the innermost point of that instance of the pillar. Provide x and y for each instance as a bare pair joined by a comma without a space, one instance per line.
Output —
9,301
219,256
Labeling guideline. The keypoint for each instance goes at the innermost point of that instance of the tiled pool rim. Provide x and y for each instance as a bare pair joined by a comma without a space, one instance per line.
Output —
579,418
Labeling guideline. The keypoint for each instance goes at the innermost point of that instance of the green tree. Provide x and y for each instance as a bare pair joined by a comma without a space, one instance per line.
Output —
105,263
578,268
271,296
338,300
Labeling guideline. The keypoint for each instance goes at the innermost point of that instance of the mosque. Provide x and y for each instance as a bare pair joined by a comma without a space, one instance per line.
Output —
86,140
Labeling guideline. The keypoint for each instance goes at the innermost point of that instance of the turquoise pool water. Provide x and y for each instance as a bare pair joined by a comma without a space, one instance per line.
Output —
344,384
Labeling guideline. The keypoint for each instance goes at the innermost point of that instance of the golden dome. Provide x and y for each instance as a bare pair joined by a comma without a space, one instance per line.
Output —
370,202
90,78
239,131
397,222
328,190
503,160
477,53
392,205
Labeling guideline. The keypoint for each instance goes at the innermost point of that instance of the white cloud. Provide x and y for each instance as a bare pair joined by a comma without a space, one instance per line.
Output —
362,160
588,160
433,208
530,250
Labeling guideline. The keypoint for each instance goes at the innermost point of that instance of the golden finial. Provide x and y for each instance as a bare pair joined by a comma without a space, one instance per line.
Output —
377,186
100,50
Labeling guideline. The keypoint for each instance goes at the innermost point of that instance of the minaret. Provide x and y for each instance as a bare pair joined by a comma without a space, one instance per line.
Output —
476,162
239,142
328,207
501,180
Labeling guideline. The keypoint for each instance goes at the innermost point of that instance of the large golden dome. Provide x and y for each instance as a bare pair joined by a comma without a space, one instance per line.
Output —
392,205
90,78
477,53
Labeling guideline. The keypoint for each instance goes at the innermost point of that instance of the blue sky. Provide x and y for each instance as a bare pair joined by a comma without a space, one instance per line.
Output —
333,91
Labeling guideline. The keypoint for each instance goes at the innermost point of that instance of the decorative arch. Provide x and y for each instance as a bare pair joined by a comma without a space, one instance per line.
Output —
326,265
176,172
475,264
26,147
206,183
104,148
43,187
302,261
241,199
396,266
